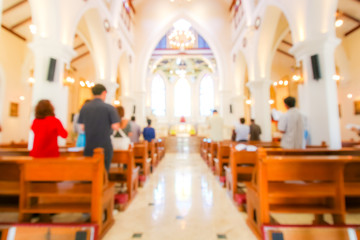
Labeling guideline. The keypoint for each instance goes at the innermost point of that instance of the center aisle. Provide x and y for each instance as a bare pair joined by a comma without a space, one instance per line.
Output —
181,200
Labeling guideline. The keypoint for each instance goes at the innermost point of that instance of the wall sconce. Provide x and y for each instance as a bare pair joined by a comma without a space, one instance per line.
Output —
116,102
86,83
297,73
31,78
248,101
339,21
68,77
271,101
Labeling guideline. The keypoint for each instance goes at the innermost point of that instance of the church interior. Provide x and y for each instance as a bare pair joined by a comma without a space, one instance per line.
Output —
174,62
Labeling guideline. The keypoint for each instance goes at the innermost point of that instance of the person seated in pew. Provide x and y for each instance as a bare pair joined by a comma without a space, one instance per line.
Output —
255,131
46,128
291,124
242,131
149,132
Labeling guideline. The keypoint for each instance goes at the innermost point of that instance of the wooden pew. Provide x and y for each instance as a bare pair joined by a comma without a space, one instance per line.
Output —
318,188
212,155
142,160
129,174
240,169
153,154
223,157
160,145
64,184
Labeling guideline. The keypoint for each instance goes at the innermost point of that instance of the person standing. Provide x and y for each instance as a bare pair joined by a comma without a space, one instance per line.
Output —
149,132
255,131
136,131
242,131
124,123
291,124
46,128
216,125
98,119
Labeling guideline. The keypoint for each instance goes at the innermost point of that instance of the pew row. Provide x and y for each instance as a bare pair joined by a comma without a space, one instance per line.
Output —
313,184
59,185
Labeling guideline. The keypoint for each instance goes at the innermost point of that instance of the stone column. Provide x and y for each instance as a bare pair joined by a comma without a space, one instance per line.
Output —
260,94
141,112
128,103
318,98
55,91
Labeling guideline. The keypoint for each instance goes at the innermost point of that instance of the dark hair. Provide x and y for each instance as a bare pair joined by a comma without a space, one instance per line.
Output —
214,111
132,118
148,121
121,111
290,102
44,109
98,89
252,120
242,120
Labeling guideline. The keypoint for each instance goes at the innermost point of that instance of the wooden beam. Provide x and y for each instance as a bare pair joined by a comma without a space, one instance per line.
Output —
352,30
79,46
80,56
13,6
21,23
350,17
285,53
232,5
11,31
287,43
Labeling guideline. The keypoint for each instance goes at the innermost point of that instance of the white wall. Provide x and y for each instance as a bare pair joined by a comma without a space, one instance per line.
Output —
13,51
350,84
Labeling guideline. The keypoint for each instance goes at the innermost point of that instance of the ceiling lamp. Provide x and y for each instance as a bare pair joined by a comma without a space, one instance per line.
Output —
339,23
181,37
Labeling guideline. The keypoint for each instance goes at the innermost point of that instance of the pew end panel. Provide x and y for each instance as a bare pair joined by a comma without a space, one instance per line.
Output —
120,174
67,184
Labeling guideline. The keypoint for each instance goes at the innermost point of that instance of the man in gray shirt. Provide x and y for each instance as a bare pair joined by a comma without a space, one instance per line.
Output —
291,124
99,119
136,131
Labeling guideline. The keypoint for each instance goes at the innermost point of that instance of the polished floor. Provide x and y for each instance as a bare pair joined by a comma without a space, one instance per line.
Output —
181,200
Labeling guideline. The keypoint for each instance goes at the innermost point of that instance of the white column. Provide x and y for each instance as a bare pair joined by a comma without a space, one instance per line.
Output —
260,94
140,101
54,90
128,104
318,98
238,110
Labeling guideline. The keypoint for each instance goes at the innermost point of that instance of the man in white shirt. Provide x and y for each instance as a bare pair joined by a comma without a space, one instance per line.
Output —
216,125
291,124
242,131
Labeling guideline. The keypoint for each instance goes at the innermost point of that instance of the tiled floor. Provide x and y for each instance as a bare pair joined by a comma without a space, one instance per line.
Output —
181,200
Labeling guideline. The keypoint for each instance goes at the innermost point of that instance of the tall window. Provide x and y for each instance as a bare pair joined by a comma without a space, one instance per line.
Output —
158,97
206,95
182,98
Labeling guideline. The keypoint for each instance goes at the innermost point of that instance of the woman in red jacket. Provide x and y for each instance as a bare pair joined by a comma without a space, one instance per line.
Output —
46,128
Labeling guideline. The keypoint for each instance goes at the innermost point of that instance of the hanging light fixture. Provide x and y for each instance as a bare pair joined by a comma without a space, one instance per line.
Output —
68,77
182,37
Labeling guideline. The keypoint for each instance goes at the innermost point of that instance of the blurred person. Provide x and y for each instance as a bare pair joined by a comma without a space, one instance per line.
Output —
291,124
242,131
255,131
124,123
149,132
80,140
135,130
98,119
216,125
46,128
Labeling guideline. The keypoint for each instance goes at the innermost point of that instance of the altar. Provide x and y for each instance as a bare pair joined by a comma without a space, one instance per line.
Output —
182,130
